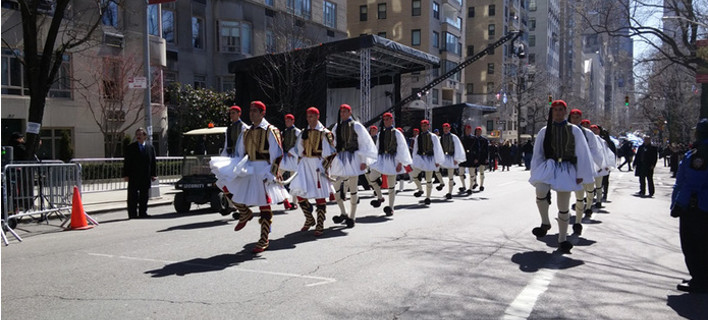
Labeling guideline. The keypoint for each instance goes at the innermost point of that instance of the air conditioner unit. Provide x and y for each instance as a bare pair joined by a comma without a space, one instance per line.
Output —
113,39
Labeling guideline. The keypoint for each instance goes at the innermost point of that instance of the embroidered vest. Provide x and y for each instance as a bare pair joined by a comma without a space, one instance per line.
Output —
425,144
233,131
387,141
289,139
347,139
562,143
448,144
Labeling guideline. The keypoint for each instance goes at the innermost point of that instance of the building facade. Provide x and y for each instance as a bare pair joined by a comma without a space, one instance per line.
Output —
191,42
434,27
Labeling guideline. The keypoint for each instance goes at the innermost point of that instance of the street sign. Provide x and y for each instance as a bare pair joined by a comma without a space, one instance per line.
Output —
137,83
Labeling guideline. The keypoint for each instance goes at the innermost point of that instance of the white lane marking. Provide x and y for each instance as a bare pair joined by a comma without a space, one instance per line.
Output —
322,280
522,306
507,183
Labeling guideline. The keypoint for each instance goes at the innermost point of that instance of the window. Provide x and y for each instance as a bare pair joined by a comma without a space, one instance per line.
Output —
470,89
491,28
330,14
382,11
61,88
415,37
168,26
382,34
110,16
532,41
532,5
436,39
532,24
436,10
436,93
490,68
490,87
227,83
363,13
301,8
490,125
416,8
470,51
153,26
470,12
111,88
532,58
491,51
168,23
51,147
270,42
198,32
12,74
452,43
199,81
270,3
235,37
492,10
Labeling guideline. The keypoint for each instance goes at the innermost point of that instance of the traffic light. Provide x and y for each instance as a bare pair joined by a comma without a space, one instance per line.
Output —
626,101
550,99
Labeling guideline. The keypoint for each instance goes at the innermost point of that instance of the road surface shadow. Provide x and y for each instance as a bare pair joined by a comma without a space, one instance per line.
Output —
197,225
533,261
291,240
198,265
551,240
689,306
373,219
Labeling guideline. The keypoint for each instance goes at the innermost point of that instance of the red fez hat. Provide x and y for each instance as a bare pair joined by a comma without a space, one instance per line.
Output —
416,130
313,110
259,105
374,127
584,121
576,111
468,126
594,126
559,103
446,125
399,129
422,122
387,114
289,116
237,108
345,106
478,128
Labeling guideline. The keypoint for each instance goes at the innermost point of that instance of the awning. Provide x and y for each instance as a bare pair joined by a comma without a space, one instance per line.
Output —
343,58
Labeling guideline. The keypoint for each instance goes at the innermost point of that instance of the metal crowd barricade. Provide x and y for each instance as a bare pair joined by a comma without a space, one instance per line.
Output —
106,174
37,189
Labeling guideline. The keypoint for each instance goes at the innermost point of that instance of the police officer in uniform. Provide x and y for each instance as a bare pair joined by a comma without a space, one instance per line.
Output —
689,202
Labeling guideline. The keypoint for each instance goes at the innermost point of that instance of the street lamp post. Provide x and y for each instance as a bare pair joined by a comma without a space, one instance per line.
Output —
703,113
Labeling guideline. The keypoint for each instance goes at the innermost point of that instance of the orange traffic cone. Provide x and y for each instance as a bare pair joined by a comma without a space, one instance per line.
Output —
78,216
384,182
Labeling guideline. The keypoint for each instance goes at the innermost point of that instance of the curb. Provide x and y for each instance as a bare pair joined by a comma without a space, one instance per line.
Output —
121,206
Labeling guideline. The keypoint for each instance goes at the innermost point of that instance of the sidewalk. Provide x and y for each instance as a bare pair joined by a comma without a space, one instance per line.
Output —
107,201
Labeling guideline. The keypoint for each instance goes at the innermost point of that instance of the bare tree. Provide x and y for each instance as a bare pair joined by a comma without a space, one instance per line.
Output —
674,42
286,71
114,106
50,29
667,102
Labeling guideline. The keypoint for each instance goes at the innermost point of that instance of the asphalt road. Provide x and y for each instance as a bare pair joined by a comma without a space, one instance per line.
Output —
470,258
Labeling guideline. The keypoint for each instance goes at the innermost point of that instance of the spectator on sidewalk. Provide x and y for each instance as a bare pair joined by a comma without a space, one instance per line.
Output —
644,164
626,151
689,202
139,169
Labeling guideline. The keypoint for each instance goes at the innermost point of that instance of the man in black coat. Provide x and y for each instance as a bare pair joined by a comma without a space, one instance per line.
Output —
644,163
139,169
